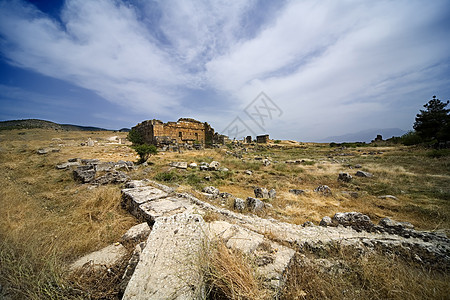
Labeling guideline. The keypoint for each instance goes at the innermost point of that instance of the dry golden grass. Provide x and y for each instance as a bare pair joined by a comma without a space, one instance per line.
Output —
230,275
369,277
47,220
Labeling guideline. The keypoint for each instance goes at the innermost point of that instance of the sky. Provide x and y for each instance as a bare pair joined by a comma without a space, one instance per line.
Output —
298,70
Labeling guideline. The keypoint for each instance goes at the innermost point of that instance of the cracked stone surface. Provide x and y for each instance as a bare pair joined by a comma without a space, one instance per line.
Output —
271,243
169,265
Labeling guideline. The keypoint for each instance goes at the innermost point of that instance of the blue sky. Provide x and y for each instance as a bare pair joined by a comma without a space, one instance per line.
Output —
332,67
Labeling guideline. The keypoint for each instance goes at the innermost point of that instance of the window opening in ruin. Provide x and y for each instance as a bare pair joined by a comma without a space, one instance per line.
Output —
180,134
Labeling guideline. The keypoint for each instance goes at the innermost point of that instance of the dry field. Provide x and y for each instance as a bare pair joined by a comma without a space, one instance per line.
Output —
47,220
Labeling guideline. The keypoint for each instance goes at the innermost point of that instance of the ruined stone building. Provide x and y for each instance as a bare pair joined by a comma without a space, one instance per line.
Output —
183,131
263,139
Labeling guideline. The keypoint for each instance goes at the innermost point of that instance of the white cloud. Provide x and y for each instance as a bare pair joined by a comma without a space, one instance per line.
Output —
329,65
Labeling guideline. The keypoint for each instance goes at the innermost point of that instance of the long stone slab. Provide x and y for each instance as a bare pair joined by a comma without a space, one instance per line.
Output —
169,267
132,198
163,207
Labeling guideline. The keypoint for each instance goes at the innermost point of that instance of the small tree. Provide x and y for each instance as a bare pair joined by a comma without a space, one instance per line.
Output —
135,137
138,144
433,124
144,151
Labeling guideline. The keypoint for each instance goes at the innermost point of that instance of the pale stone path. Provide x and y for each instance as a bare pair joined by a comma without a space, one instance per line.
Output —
168,266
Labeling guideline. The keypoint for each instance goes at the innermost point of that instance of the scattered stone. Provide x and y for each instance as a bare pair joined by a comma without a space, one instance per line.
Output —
92,161
168,267
261,193
179,165
84,174
308,224
255,204
67,165
223,169
356,220
104,166
345,177
103,259
43,151
272,194
137,183
363,174
136,233
358,166
326,221
214,166
239,204
388,197
74,160
248,172
211,190
193,165
225,195
266,162
296,191
114,177
323,189
204,166
90,142
207,178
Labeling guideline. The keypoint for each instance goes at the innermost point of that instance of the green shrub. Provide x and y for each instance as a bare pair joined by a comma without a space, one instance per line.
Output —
144,151
411,138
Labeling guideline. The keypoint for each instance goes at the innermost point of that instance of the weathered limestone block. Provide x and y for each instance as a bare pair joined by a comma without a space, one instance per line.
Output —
363,174
271,258
136,233
104,258
255,204
273,261
345,177
179,164
239,204
236,237
163,207
261,192
133,197
356,220
214,165
137,183
67,165
84,174
111,177
169,267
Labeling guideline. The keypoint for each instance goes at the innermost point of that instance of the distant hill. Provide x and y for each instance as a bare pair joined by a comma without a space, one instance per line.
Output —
365,135
36,123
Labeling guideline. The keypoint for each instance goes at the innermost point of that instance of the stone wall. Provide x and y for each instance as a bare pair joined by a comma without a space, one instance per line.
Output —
263,139
185,130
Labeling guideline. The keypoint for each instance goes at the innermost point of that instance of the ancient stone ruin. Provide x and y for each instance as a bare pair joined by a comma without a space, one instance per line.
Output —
262,139
183,131
174,236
